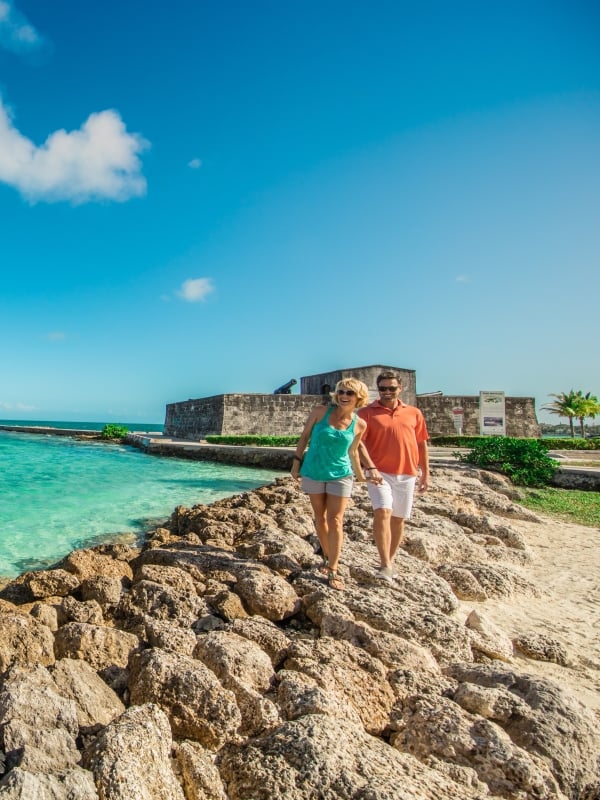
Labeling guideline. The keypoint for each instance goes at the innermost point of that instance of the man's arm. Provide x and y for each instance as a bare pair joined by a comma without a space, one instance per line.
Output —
424,465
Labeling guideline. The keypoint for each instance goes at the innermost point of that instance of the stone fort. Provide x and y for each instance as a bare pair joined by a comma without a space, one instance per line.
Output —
284,414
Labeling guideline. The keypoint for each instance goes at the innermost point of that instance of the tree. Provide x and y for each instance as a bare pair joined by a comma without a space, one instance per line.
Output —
586,405
565,405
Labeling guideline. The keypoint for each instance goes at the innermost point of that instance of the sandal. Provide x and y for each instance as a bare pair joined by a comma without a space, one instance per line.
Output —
334,581
324,567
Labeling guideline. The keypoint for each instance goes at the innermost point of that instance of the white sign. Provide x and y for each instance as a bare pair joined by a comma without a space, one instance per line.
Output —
457,417
492,415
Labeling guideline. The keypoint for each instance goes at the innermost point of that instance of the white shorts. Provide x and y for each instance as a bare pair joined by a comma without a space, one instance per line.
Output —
396,492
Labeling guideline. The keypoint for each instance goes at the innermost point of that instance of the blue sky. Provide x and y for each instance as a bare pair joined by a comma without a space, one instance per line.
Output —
206,197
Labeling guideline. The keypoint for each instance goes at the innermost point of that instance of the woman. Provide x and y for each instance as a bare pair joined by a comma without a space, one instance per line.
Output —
333,433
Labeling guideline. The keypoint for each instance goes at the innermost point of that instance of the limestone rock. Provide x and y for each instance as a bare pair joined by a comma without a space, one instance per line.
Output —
37,725
52,582
541,648
229,606
96,703
22,785
196,704
104,590
148,598
169,636
488,638
100,646
246,670
440,728
229,656
110,561
267,594
318,757
557,728
24,640
200,777
130,759
349,672
72,610
299,694
464,584
266,635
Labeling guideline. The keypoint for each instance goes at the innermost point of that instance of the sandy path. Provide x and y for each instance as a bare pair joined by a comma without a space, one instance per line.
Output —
566,568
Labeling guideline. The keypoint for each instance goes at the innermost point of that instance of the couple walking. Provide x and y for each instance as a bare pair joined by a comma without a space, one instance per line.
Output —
384,443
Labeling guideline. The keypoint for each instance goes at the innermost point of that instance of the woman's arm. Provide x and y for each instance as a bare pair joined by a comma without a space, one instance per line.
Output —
315,416
359,429
366,461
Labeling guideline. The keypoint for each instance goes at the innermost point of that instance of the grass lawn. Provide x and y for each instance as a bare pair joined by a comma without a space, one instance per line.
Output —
571,505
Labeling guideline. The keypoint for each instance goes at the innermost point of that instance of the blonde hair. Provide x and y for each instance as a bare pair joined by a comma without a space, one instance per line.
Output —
362,392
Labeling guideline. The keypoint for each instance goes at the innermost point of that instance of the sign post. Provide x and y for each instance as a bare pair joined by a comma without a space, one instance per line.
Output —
457,417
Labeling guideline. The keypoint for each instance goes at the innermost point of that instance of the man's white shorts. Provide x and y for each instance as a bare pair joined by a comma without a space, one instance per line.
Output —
396,492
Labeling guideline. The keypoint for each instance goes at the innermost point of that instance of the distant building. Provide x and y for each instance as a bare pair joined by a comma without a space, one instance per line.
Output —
285,414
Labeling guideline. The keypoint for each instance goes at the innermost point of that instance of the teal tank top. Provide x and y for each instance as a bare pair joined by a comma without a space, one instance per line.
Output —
327,456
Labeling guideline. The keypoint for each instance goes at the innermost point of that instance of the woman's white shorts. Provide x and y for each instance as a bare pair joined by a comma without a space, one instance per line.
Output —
342,487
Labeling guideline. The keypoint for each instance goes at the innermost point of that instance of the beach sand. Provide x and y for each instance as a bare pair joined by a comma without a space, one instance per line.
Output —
566,567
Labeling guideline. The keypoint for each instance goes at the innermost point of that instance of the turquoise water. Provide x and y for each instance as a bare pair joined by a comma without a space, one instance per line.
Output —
58,494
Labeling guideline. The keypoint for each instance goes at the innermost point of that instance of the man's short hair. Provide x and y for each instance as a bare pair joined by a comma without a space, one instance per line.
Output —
390,375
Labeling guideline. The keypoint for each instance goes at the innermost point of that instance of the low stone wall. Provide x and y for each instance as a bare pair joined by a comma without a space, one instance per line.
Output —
584,479
521,420
239,414
285,415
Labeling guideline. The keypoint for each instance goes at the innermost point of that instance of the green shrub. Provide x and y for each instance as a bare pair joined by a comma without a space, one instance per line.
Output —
571,444
255,440
525,461
549,444
456,441
113,431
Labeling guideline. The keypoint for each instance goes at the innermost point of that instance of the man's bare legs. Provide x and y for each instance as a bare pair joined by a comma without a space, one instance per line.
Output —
388,533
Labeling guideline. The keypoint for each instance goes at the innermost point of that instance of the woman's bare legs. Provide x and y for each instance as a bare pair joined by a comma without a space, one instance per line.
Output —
319,507
328,510
335,508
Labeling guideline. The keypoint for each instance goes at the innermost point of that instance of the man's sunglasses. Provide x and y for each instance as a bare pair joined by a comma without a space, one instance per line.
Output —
388,388
349,392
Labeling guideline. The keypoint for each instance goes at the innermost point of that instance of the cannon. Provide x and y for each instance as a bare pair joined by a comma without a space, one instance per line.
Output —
286,388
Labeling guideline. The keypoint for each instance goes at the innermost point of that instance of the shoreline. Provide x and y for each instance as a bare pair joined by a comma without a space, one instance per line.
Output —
221,637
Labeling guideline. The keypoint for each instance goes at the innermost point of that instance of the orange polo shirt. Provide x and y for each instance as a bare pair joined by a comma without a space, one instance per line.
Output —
393,435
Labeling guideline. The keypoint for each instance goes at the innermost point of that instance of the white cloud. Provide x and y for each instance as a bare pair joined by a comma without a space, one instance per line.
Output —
462,279
16,33
195,289
56,336
16,407
195,163
98,161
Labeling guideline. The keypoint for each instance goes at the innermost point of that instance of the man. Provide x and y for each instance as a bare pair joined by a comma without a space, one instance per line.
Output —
396,449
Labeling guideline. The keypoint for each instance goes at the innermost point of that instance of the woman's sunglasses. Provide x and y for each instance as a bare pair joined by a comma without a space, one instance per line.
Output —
349,392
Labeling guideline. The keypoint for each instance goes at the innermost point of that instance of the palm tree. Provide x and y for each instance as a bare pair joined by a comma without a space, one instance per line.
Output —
586,405
565,405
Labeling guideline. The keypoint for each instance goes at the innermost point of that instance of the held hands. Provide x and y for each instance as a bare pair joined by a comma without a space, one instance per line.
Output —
374,476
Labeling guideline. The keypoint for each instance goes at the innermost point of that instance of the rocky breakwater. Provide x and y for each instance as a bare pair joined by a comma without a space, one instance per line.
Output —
215,663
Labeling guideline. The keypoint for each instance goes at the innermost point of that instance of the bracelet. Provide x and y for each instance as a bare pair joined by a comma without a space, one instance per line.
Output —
297,458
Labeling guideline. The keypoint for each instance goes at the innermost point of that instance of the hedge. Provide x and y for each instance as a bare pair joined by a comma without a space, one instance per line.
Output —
255,441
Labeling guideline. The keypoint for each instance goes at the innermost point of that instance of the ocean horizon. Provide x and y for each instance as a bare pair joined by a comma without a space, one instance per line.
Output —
58,494
84,426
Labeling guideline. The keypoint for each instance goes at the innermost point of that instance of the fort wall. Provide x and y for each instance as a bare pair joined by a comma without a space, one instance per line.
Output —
521,420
